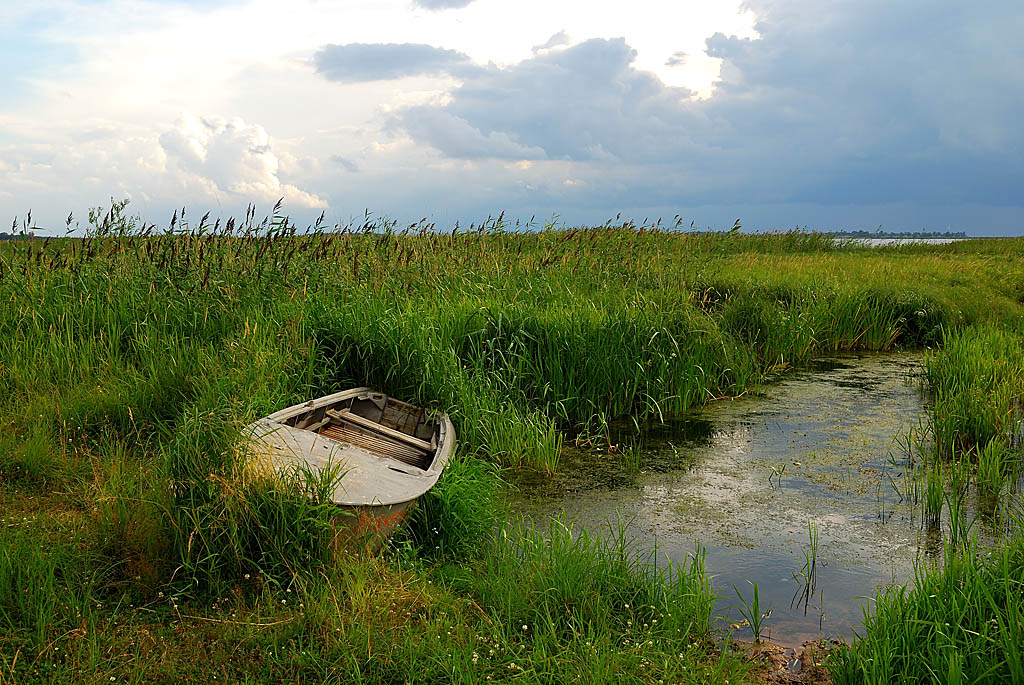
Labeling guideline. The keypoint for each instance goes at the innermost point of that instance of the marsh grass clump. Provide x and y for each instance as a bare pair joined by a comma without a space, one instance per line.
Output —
934,494
960,622
129,514
787,323
225,521
452,519
31,459
977,381
806,576
997,466
751,611
563,582
43,586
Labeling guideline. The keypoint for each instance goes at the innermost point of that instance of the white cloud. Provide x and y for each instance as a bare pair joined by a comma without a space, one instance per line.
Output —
230,156
558,40
214,163
442,4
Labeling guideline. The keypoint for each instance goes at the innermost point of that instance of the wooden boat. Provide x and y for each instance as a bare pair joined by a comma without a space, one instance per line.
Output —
389,451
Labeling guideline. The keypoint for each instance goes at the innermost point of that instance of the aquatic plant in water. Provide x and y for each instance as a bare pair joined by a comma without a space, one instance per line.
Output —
751,611
806,576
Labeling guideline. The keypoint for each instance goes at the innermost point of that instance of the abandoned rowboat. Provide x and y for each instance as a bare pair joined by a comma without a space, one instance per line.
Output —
390,453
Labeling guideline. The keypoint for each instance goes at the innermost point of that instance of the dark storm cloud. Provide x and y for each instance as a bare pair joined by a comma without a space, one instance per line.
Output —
357,62
835,102
871,100
583,103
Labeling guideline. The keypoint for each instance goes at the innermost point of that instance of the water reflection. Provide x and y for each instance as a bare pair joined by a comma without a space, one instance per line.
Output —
745,478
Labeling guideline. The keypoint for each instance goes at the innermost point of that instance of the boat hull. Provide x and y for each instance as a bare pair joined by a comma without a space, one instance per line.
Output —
369,527
389,454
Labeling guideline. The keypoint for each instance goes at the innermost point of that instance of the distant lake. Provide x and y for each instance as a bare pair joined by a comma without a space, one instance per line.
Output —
881,242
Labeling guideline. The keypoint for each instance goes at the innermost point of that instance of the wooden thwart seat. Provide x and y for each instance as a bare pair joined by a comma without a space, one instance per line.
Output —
346,416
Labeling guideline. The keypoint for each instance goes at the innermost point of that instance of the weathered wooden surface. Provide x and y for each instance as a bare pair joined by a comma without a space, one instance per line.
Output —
349,417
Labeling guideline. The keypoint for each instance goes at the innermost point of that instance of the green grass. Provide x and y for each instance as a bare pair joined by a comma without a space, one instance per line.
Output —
130,359
961,622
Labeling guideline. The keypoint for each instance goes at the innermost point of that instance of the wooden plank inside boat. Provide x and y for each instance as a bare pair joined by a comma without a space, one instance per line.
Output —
400,419
353,435
390,433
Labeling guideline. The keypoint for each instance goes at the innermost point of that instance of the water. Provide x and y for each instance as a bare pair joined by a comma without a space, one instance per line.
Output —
884,242
744,478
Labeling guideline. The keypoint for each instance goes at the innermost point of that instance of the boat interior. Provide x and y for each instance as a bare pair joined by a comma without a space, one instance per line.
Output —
377,423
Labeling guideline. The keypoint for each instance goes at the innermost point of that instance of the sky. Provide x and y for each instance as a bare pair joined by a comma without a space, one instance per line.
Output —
819,114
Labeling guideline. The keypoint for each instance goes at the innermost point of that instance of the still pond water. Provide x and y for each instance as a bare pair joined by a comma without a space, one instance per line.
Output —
744,479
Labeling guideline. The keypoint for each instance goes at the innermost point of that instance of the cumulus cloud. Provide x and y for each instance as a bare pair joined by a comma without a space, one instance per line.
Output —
229,156
557,40
358,62
100,168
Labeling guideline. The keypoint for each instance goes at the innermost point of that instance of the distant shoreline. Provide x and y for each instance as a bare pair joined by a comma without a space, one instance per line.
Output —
906,235
883,242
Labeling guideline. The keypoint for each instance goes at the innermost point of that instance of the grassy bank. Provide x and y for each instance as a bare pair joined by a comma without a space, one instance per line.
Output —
960,622
135,545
